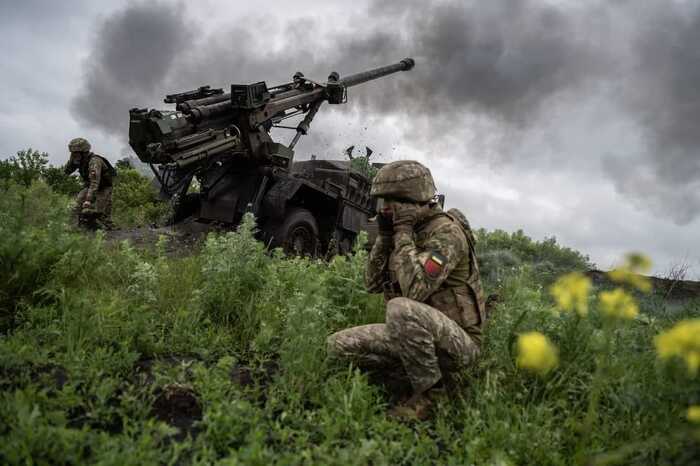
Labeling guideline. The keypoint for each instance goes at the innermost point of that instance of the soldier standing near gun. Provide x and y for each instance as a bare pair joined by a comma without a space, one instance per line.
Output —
423,261
94,201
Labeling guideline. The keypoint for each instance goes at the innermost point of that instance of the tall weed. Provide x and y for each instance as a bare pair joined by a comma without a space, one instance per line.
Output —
33,239
82,365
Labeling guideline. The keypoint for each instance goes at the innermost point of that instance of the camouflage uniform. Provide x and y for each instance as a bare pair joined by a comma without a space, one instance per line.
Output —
97,175
434,300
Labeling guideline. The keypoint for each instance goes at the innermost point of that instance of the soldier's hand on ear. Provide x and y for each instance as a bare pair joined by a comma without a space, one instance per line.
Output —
405,216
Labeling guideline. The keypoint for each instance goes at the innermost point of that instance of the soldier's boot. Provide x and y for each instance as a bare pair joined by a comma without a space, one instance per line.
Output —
417,408
87,221
105,223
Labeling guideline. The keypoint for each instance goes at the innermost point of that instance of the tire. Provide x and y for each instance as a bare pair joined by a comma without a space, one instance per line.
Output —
298,233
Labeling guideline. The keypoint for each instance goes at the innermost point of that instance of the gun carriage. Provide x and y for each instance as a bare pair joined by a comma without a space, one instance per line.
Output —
223,141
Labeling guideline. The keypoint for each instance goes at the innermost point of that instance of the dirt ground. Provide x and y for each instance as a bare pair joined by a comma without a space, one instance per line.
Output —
183,239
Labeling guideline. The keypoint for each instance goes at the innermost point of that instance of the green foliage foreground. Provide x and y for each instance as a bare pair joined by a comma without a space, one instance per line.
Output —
113,355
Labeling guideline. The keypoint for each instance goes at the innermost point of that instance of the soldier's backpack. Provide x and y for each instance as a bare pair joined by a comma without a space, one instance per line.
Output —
457,216
110,167
474,280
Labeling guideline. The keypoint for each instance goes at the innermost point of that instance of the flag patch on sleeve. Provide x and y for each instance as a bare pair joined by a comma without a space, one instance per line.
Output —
434,265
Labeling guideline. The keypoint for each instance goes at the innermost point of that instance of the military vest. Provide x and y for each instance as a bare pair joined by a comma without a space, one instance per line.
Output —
461,295
107,175
474,278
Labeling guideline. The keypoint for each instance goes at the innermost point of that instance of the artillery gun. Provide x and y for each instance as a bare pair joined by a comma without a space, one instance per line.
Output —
223,141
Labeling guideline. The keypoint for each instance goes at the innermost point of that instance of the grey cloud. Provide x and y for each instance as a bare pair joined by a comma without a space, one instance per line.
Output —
133,51
648,190
503,59
661,92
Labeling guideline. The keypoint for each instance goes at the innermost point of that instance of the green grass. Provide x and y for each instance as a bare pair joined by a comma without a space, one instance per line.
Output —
95,333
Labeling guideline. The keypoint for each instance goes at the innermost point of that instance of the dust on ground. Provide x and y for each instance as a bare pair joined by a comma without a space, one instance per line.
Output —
183,239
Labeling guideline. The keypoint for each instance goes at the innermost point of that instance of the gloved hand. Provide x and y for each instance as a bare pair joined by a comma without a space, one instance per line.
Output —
405,216
385,221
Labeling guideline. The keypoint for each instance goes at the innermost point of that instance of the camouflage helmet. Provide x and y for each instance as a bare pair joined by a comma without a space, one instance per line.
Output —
79,145
404,179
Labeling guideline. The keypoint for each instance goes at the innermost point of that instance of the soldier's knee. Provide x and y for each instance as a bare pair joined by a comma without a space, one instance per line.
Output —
334,348
398,313
398,309
332,345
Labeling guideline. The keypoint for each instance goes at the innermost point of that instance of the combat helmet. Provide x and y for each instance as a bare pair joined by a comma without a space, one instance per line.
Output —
404,179
79,145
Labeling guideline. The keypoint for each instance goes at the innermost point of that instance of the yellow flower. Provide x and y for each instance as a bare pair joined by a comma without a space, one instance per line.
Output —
536,353
631,271
694,414
618,304
683,341
571,293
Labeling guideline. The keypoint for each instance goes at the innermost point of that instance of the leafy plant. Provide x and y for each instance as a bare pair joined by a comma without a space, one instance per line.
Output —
28,165
135,200
96,332
61,183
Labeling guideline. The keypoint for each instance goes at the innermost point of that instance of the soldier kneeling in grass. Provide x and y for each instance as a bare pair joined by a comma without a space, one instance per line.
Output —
423,261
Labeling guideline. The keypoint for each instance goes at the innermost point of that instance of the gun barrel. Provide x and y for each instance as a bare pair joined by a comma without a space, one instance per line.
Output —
209,112
359,78
206,150
188,105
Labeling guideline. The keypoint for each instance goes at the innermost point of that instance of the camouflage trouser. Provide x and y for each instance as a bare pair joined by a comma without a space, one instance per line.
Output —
101,210
415,335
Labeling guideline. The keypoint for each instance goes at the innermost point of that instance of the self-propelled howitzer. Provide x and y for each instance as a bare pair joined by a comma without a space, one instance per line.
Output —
223,140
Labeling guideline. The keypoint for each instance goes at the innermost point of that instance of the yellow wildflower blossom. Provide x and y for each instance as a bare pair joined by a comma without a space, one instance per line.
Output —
694,414
536,353
571,293
631,271
618,304
683,341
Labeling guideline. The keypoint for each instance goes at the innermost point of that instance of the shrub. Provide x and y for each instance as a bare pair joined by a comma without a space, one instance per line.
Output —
498,250
33,238
61,183
234,267
135,200
28,165
104,327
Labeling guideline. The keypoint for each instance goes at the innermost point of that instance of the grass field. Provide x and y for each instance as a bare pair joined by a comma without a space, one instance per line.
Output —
115,355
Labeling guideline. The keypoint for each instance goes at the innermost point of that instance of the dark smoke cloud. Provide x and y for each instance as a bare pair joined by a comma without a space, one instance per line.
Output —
133,51
661,91
669,78
503,59
468,56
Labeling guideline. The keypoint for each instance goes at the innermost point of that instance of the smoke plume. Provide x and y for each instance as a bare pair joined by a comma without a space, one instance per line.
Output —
134,50
505,60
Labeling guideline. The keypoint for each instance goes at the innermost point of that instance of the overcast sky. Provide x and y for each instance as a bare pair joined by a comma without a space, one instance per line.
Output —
577,120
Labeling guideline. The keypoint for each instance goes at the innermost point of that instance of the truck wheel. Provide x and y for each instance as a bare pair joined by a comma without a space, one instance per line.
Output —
298,234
